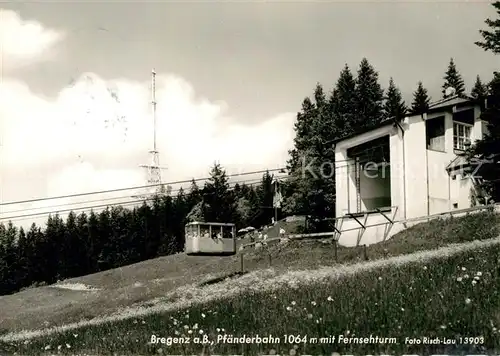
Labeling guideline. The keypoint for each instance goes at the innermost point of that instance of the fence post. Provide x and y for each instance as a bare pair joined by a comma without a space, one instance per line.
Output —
242,264
365,252
335,250
270,260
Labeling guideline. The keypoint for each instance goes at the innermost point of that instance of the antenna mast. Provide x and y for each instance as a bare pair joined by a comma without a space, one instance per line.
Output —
154,169
153,104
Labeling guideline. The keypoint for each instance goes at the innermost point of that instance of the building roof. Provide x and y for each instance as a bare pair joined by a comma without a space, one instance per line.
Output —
452,100
455,100
384,122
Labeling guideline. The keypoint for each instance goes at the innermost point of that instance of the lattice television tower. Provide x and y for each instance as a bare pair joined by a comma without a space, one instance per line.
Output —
153,169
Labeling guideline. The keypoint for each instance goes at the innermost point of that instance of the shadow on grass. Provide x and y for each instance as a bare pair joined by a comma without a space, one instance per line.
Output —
222,278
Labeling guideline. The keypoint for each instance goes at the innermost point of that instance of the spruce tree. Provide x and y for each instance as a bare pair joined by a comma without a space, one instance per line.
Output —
23,263
453,78
266,195
319,97
421,100
369,97
491,39
489,146
71,264
394,105
220,205
303,128
93,241
343,103
479,90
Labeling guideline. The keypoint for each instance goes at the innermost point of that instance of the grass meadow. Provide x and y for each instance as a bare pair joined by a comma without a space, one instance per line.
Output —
439,301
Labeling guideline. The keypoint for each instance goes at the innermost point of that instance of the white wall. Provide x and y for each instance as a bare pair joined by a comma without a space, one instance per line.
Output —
439,181
418,176
430,190
397,174
415,172
341,182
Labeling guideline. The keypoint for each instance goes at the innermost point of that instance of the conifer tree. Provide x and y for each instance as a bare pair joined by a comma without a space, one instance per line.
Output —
491,38
343,103
479,90
394,105
220,205
265,195
369,96
489,146
303,133
453,79
421,100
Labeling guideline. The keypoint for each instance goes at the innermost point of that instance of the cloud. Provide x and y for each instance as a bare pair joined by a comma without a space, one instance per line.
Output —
95,133
23,40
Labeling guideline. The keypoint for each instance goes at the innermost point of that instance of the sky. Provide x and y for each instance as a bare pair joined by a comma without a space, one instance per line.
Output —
75,85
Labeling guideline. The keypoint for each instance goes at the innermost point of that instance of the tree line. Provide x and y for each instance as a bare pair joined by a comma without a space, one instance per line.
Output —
87,243
96,241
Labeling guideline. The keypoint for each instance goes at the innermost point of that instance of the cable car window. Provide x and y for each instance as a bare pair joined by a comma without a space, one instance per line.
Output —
227,232
214,231
205,231
192,231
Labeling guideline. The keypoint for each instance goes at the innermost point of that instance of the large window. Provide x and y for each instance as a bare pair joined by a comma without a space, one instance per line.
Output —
461,134
435,134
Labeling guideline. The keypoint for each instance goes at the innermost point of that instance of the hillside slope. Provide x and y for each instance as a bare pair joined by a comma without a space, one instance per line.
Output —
50,305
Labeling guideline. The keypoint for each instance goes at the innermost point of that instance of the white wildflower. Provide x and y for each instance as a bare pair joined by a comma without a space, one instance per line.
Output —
468,301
